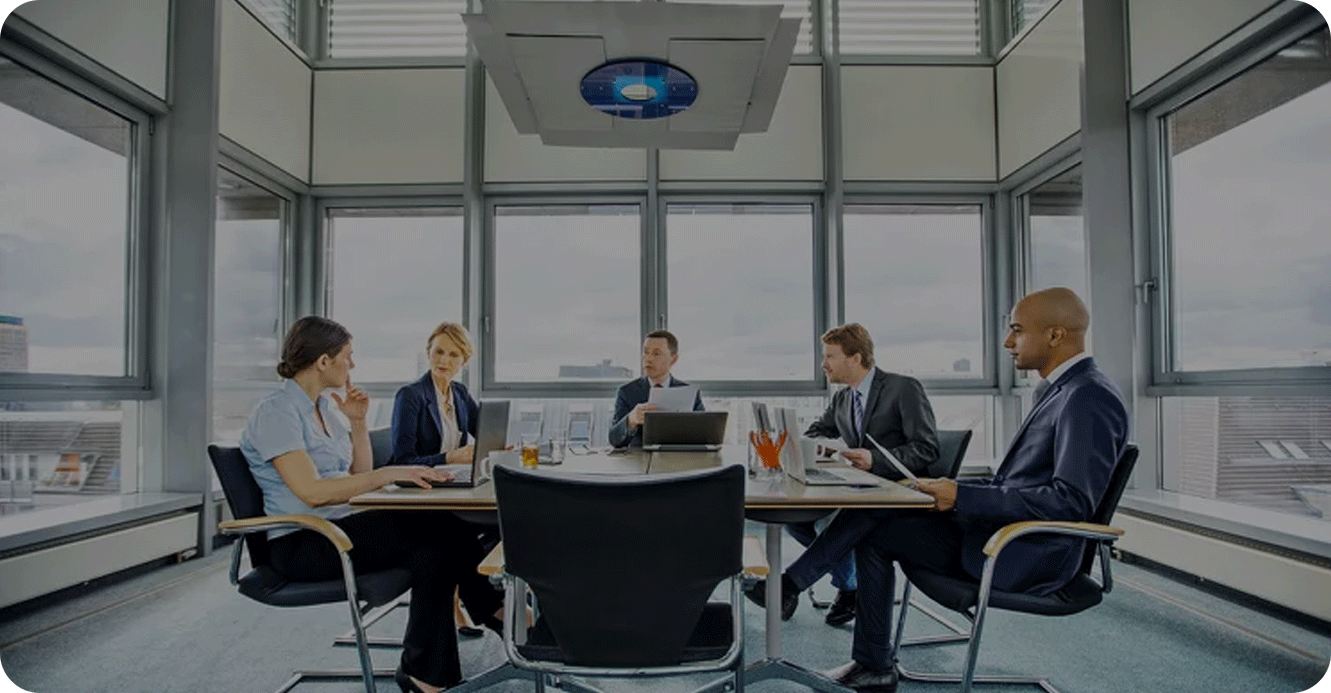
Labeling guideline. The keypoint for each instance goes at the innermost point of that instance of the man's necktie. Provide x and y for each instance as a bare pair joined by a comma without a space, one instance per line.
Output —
857,411
1040,388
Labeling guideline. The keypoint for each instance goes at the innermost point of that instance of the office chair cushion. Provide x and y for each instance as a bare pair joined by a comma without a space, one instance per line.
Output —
962,594
264,585
710,639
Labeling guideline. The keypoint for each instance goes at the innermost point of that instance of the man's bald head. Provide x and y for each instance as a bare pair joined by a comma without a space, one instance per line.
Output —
1047,328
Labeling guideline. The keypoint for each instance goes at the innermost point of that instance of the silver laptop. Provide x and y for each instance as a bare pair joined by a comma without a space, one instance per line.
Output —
804,471
491,435
683,431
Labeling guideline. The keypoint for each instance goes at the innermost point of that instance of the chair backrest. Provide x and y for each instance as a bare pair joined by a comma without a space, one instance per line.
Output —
242,495
1104,512
951,451
381,446
622,566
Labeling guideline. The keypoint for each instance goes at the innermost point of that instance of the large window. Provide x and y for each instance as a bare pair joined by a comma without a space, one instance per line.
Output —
740,290
1056,235
65,216
565,292
1272,453
914,277
909,27
398,29
1246,217
247,300
393,274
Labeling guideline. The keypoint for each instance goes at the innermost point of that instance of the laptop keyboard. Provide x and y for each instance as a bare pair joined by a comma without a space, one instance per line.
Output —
822,474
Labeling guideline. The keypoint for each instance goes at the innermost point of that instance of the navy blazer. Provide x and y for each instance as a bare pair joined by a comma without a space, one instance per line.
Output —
897,414
630,395
1057,468
418,431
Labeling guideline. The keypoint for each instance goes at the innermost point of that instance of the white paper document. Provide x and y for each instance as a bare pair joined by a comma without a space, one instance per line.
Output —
891,458
673,398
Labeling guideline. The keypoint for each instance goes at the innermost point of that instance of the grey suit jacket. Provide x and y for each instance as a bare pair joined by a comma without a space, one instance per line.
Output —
1057,468
897,415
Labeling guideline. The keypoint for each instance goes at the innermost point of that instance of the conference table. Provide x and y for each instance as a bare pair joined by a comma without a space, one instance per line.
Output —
772,500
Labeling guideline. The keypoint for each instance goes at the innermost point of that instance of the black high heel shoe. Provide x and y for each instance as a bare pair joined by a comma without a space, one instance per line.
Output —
404,682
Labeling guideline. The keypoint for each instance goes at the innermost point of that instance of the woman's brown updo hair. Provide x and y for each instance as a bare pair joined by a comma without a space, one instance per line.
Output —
309,338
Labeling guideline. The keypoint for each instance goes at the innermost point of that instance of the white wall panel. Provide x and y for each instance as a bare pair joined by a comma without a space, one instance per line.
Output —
1295,584
511,157
1039,88
44,571
1163,34
389,126
126,36
791,149
917,122
264,101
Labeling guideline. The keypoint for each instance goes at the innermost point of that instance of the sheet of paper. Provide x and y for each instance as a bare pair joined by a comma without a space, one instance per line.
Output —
673,398
892,458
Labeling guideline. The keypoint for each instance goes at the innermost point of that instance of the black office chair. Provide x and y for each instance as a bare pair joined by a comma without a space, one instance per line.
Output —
381,446
971,598
263,584
952,447
622,569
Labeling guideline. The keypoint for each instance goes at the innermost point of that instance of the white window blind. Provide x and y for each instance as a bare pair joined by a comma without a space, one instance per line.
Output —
279,15
396,28
909,27
790,9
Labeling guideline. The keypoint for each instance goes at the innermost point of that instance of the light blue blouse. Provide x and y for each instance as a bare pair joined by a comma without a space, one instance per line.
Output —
285,421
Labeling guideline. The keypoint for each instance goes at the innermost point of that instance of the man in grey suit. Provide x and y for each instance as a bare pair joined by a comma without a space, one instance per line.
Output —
660,351
891,408
1057,467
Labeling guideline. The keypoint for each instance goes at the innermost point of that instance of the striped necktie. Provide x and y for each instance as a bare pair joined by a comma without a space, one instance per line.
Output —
857,411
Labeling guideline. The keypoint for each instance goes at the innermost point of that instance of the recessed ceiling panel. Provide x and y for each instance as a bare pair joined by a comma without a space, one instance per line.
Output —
538,52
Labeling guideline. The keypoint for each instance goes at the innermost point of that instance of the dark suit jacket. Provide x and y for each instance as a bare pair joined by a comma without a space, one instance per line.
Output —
897,414
418,431
630,395
1057,468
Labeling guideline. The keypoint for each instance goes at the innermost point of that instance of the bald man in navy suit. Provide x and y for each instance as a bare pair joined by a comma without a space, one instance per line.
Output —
1057,467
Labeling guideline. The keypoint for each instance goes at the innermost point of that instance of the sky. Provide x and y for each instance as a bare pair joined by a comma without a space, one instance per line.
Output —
1251,252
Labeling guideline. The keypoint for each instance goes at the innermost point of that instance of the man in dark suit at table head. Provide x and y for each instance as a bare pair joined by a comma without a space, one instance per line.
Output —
1057,467
660,351
894,410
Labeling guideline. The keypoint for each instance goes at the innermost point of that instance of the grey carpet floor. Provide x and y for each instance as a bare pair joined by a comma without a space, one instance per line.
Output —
184,628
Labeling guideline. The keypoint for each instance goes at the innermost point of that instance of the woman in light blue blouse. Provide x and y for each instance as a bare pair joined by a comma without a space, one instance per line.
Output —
307,460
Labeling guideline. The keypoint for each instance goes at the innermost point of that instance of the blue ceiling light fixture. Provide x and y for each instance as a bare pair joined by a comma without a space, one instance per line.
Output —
639,89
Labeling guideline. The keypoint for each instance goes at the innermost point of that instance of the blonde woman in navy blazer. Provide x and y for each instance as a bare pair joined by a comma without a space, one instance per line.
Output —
429,429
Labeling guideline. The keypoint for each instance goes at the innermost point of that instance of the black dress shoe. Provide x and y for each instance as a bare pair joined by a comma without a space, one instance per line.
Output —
860,678
843,609
790,596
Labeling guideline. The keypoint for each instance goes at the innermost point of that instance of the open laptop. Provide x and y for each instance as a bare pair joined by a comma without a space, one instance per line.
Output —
683,431
491,435
804,471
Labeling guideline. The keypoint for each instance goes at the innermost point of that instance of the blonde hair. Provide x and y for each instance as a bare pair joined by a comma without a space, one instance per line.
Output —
456,334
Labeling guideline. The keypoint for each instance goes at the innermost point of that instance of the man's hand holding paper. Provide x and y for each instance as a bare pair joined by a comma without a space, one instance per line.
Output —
673,398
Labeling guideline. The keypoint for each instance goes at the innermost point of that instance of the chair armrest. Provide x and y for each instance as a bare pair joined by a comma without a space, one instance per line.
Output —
755,559
493,564
330,531
1088,530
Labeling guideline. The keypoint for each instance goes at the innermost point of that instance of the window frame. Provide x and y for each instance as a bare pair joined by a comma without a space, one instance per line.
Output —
987,382
1167,379
136,384
325,206
813,387
490,385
